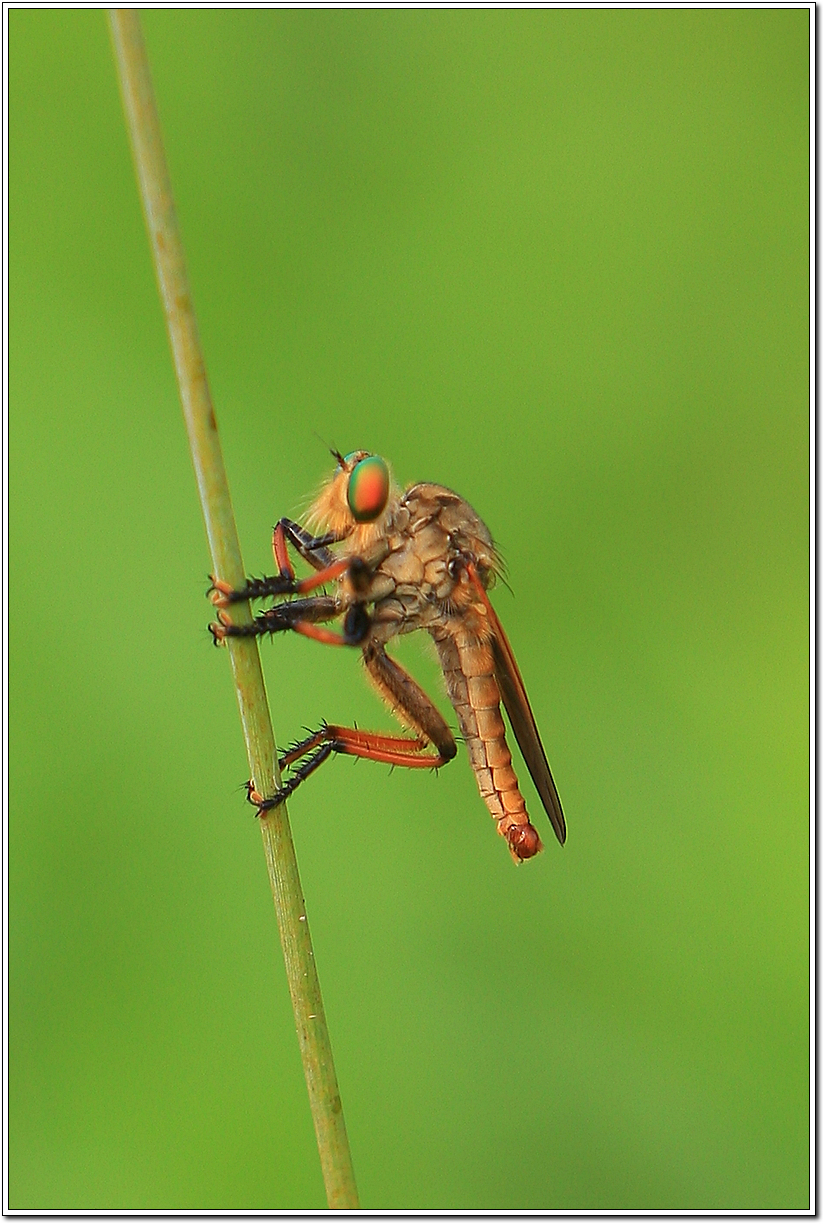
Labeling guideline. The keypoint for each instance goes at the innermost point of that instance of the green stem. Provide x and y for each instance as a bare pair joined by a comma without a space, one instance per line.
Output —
164,236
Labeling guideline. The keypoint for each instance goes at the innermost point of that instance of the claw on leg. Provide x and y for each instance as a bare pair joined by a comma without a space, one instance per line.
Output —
257,800
290,785
252,795
220,629
220,592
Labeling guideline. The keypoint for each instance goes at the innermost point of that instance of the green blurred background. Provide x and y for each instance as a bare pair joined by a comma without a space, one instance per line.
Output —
557,260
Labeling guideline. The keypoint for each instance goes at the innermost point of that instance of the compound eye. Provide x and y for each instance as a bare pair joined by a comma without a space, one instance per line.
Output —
368,489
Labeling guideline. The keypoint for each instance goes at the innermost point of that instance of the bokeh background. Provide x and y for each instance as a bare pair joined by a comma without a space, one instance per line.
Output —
557,260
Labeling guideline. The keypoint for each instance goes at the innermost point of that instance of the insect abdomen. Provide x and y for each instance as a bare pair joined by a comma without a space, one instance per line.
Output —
468,669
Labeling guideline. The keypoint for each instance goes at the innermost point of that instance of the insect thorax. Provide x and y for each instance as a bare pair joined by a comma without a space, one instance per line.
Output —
418,579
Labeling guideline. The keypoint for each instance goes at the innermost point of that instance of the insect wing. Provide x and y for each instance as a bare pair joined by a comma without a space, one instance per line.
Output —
520,715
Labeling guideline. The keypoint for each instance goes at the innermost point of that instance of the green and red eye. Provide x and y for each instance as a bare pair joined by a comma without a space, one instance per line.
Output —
368,490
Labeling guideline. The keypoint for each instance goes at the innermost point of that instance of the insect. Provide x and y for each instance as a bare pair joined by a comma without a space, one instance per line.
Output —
401,561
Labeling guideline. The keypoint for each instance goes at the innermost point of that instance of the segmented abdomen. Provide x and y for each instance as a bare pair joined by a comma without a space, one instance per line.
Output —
469,672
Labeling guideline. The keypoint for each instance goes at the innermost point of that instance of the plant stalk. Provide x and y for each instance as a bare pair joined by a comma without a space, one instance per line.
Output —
167,251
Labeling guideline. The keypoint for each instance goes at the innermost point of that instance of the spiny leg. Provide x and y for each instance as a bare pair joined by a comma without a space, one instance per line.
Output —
313,549
299,775
301,616
222,594
278,619
368,745
409,703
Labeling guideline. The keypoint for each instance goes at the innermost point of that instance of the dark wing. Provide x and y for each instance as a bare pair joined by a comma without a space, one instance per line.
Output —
521,716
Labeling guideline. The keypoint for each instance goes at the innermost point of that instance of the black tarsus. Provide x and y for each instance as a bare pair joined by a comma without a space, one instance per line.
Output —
314,549
285,616
300,774
261,588
281,618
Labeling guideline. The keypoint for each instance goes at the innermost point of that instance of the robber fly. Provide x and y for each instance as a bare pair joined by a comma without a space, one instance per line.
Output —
420,559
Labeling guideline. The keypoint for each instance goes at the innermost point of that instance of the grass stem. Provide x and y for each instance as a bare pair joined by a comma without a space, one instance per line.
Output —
164,236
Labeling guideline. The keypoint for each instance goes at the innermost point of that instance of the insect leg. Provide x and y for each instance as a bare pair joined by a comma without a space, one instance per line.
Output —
301,616
222,594
314,549
302,772
297,615
370,746
408,701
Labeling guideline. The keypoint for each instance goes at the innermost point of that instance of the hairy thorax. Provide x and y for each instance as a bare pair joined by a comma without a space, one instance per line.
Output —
415,565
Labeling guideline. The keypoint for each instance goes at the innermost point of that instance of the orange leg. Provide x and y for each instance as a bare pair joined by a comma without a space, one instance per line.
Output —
314,549
370,746
281,552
